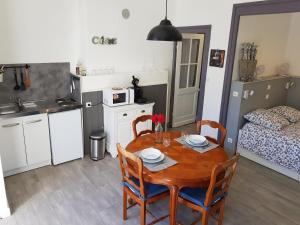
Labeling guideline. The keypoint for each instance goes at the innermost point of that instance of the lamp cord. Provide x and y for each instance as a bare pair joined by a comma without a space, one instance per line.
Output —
166,9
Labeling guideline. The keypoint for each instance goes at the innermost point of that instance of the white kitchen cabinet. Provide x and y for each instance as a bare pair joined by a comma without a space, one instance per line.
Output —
12,150
37,142
25,143
118,124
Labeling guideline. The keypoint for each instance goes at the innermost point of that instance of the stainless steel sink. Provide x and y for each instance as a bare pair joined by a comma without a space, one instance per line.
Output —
9,109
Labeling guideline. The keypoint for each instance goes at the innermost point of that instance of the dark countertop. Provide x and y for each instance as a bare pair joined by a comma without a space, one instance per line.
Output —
43,106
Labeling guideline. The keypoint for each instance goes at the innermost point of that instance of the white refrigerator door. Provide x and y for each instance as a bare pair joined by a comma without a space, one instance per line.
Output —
66,136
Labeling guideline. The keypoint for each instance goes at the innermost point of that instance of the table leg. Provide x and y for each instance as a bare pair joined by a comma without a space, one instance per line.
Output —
173,204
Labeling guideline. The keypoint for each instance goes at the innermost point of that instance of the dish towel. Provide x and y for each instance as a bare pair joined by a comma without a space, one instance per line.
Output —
203,149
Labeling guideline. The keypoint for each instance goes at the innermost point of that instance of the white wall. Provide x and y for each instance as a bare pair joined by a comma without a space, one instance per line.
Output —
218,14
270,33
37,31
4,207
293,45
133,52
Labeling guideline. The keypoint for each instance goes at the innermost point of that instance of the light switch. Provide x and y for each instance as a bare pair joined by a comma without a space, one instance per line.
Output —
269,87
251,93
229,140
235,94
267,96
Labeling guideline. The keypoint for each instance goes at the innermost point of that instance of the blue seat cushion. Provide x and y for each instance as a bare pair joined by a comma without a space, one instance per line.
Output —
151,190
198,195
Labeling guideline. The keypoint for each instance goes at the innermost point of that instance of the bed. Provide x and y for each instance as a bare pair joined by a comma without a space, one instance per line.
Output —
276,149
281,147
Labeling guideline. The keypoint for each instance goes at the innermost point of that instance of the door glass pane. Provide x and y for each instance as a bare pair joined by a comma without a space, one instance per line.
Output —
183,76
195,50
192,75
185,50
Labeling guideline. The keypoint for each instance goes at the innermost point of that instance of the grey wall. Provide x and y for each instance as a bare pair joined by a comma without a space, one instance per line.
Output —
157,94
93,117
293,98
48,81
238,106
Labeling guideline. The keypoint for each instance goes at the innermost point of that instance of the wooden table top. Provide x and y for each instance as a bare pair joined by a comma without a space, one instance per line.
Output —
193,168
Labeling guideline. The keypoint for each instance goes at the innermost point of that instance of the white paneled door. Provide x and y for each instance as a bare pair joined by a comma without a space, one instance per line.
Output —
187,78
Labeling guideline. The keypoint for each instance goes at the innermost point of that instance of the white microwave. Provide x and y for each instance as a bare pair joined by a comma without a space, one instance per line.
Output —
118,96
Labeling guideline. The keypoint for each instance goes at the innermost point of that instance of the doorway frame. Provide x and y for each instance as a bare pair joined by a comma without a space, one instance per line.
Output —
201,29
248,9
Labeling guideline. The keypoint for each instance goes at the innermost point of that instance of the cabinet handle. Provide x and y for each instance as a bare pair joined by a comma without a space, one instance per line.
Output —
125,114
34,121
143,111
10,125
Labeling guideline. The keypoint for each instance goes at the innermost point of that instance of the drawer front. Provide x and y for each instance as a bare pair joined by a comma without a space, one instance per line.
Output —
127,115
144,111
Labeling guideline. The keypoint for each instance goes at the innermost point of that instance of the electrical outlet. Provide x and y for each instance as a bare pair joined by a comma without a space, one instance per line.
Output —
235,94
229,140
267,96
269,87
88,104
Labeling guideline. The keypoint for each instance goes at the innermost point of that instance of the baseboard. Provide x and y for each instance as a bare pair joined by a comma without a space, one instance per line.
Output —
280,169
5,212
26,168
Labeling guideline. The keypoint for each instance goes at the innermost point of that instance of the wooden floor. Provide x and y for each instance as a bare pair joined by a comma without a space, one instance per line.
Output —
86,192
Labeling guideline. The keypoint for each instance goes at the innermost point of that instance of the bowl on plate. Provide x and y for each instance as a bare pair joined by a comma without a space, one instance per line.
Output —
152,155
196,139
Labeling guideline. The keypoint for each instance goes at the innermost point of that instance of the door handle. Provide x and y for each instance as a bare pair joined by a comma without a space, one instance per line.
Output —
10,125
125,114
143,111
34,121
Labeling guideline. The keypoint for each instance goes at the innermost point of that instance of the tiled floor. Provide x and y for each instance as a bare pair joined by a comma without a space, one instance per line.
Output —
84,192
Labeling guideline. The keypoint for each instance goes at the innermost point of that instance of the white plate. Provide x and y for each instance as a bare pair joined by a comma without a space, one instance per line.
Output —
197,145
196,139
161,158
150,153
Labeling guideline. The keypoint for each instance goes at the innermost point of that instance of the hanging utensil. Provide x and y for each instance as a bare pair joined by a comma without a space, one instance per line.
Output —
22,88
17,86
27,77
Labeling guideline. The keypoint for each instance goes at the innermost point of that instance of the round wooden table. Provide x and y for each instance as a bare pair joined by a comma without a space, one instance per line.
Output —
192,170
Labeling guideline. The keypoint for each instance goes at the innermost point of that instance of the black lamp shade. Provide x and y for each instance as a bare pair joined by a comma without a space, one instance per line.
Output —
165,31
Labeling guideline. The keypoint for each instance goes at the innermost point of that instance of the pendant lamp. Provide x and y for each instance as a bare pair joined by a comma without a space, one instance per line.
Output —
165,31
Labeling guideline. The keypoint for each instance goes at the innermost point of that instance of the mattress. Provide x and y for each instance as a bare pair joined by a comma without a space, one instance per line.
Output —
281,147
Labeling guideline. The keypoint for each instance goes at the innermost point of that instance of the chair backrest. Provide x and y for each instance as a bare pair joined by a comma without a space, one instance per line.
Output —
215,125
220,180
131,165
141,119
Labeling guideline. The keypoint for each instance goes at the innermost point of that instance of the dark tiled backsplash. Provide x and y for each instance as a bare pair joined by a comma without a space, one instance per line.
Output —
48,81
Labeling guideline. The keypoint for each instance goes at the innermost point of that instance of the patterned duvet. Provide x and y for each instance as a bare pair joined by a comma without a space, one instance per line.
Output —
281,147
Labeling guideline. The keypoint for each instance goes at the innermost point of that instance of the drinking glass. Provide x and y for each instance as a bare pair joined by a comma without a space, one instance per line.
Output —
184,135
166,140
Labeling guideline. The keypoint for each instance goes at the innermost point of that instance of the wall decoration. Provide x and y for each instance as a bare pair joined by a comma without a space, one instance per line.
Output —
248,62
101,40
217,58
125,14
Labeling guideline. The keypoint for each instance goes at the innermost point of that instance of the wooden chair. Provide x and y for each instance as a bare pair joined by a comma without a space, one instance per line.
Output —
209,201
141,119
215,125
140,192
